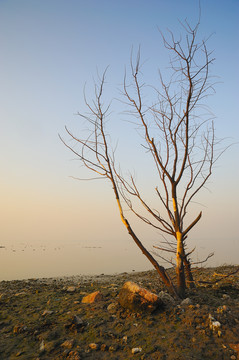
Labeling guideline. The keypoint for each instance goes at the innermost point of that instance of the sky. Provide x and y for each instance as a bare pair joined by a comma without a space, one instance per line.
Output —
50,50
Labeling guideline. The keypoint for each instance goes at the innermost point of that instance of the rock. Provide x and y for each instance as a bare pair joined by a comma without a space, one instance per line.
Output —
94,346
42,346
78,321
213,324
68,344
19,353
113,348
166,298
47,312
71,289
211,318
125,339
138,299
136,350
226,296
76,324
222,309
186,302
92,298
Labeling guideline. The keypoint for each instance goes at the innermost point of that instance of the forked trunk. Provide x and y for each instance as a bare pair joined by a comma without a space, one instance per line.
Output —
160,269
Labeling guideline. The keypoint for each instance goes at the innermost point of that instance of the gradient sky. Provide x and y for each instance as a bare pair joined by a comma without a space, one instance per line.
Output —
49,50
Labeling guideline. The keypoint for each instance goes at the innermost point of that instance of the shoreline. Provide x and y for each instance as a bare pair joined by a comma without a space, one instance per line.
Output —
101,278
75,279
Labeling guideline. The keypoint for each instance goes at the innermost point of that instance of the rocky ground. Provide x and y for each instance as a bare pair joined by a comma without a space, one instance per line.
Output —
46,319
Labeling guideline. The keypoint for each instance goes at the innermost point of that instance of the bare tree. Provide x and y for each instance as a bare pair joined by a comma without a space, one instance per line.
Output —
178,137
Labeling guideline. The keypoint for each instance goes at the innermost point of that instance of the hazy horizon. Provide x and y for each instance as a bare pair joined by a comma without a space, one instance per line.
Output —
49,50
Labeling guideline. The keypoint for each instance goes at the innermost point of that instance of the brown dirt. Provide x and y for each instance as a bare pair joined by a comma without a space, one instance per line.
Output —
40,319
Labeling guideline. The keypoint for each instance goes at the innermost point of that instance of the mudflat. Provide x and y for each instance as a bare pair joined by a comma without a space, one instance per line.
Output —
46,319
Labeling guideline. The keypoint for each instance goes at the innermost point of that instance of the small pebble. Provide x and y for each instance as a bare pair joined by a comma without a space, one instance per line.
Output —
113,348
226,297
42,346
94,346
19,353
186,302
125,338
68,344
47,312
136,350
215,325
71,289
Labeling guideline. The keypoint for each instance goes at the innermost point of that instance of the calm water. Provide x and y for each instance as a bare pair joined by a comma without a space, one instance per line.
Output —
37,260
23,261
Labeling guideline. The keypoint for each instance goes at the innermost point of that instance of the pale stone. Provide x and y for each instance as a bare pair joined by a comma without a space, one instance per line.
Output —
47,312
215,325
186,302
91,298
136,350
42,346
